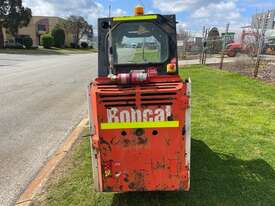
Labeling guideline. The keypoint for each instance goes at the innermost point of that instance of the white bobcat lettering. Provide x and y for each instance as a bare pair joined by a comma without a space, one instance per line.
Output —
136,115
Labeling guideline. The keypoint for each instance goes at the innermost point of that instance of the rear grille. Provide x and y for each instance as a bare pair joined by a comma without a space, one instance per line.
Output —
141,95
118,100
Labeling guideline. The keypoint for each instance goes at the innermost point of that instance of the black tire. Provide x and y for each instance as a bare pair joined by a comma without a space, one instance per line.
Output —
232,53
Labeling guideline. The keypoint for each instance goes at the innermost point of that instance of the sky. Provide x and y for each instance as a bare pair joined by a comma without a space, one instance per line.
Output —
192,15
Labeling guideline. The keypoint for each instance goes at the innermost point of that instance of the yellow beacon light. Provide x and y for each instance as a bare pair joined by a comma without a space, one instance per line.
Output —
139,10
171,68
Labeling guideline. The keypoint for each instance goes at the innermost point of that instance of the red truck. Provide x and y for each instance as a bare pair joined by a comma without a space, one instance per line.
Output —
247,45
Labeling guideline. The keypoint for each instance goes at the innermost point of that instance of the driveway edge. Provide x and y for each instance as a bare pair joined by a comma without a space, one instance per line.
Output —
43,175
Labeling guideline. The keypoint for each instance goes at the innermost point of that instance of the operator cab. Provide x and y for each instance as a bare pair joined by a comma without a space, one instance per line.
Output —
137,43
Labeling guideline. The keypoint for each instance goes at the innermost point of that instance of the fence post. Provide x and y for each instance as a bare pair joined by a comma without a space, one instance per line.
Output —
223,45
204,46
201,53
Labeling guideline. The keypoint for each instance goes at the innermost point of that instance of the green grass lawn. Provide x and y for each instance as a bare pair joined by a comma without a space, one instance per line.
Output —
43,51
233,151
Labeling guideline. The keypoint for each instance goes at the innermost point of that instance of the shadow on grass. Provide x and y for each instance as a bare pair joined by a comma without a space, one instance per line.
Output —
216,179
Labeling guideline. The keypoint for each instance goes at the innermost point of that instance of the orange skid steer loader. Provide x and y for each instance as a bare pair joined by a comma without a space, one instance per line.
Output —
139,107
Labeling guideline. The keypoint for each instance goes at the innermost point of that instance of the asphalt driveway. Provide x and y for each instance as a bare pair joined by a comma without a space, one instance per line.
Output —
41,99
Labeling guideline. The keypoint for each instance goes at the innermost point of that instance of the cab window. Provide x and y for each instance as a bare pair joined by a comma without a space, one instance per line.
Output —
139,43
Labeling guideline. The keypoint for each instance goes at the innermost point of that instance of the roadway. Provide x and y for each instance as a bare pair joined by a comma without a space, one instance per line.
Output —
41,99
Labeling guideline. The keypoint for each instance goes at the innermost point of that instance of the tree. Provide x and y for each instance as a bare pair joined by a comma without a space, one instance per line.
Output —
58,36
3,13
78,27
253,40
12,17
262,23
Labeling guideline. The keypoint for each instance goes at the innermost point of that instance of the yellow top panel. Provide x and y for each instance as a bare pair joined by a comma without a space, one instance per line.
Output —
135,18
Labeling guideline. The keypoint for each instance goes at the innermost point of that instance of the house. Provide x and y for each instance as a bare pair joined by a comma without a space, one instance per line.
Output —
38,26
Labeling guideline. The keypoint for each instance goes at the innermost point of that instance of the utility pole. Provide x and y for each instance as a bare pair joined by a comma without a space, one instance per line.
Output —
223,45
261,43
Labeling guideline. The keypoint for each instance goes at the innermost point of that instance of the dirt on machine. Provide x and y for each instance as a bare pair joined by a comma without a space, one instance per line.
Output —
139,107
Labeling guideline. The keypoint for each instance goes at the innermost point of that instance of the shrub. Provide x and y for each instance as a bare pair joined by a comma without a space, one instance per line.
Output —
27,42
84,45
58,35
47,41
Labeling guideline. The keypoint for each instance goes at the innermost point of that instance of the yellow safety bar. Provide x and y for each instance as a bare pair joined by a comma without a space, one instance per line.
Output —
129,125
